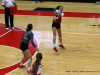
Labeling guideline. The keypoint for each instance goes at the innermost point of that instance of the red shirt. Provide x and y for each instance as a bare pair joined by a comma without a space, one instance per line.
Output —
58,20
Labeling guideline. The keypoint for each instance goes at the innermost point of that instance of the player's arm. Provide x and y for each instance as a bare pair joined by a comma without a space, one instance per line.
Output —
56,16
61,15
39,70
14,3
32,41
3,3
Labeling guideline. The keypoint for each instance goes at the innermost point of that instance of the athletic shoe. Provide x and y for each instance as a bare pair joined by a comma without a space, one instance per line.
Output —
55,49
29,72
13,27
7,28
22,66
62,46
38,1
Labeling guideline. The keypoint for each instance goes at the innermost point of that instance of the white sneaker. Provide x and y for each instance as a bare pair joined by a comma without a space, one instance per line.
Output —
7,28
38,1
13,27
34,2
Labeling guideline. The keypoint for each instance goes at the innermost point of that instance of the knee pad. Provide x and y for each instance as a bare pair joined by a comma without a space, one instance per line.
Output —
29,61
54,37
60,37
23,58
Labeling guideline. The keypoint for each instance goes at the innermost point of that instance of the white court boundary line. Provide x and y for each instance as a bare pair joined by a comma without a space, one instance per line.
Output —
62,32
80,33
5,33
70,33
19,50
11,47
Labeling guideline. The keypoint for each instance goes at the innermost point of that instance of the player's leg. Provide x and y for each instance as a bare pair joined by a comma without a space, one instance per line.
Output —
22,60
11,21
54,36
7,13
27,54
23,47
60,37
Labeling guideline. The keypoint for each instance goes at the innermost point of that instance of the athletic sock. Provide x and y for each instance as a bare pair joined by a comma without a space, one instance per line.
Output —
21,63
29,68
54,45
61,43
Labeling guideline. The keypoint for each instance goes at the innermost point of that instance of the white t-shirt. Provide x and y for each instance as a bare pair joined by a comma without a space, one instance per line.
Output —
8,3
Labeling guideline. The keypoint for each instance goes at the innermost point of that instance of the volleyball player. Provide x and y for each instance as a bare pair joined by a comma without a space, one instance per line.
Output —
27,36
56,26
37,67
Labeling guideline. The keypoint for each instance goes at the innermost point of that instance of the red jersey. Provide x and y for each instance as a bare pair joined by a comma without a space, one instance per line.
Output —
39,69
58,20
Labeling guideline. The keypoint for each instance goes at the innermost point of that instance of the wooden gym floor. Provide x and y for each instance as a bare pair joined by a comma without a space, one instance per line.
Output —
82,42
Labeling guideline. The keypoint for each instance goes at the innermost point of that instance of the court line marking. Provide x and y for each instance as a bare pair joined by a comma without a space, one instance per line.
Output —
18,62
65,32
70,33
19,50
6,33
11,47
62,32
80,33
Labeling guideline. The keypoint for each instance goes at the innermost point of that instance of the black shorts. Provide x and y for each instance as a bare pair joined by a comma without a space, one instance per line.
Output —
23,46
57,25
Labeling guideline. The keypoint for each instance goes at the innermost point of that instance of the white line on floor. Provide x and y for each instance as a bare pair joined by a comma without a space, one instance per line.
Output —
5,33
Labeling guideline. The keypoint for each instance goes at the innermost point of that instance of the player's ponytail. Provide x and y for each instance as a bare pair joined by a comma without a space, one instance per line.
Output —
29,27
38,61
57,8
